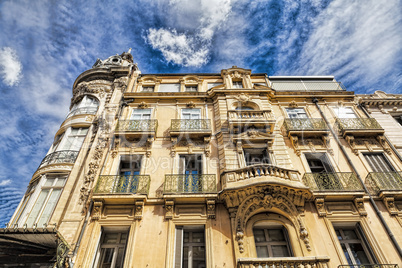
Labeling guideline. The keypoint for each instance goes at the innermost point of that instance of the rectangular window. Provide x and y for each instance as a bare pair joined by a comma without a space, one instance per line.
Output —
169,88
344,112
130,165
237,84
191,113
256,156
378,162
46,201
354,246
148,88
74,140
319,163
141,114
296,113
191,167
190,247
112,250
211,85
271,242
191,88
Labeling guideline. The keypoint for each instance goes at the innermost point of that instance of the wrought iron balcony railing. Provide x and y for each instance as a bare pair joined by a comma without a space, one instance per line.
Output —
59,157
85,110
384,181
340,181
284,262
190,125
145,125
307,86
345,125
135,184
305,124
368,266
189,183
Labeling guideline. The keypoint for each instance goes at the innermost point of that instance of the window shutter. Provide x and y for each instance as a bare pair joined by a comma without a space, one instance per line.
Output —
178,255
378,163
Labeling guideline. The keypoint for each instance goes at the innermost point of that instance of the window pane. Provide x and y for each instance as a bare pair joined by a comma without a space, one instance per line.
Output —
345,251
259,235
169,87
275,235
37,207
60,182
51,203
280,251
198,237
49,181
350,234
110,238
120,258
262,252
358,253
107,257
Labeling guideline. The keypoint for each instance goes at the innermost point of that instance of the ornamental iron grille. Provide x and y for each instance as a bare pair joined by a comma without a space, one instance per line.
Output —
190,183
133,184
357,123
59,157
340,181
85,110
190,125
307,124
380,181
62,253
369,266
143,125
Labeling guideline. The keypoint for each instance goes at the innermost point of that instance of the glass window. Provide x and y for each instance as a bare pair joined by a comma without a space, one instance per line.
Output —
191,113
190,247
190,166
193,88
353,245
112,250
141,114
271,242
46,201
344,112
319,163
88,105
169,88
237,84
211,85
130,165
296,113
148,88
74,140
256,156
378,162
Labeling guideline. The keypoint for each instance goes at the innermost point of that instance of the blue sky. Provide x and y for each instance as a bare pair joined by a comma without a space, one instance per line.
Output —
45,45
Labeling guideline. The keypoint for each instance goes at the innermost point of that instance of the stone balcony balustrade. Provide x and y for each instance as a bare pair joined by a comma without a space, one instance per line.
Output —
284,262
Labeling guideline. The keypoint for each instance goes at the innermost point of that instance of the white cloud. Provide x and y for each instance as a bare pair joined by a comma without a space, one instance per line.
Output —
198,22
10,66
5,182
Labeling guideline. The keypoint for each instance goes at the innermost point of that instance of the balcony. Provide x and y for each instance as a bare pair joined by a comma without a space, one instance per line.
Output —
333,182
384,181
244,119
189,184
85,110
136,128
284,262
135,184
358,127
59,157
306,127
260,173
368,266
190,127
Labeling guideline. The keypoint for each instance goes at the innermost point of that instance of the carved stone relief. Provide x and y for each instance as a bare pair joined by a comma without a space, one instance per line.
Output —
97,210
169,206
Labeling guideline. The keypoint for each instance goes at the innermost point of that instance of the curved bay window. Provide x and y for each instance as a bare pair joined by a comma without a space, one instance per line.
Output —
87,105
271,240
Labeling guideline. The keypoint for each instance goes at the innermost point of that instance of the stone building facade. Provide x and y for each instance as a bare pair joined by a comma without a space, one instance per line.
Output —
217,170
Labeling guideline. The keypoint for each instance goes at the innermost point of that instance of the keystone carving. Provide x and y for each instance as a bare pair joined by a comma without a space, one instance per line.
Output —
211,208
319,204
139,207
169,206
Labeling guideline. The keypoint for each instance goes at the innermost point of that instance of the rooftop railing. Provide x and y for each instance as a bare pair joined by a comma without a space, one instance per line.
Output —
307,86
384,181
339,181
144,125
134,184
59,157
189,183
190,125
85,110
305,124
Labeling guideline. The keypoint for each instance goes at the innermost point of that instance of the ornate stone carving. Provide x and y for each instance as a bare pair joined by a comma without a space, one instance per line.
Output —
142,105
173,146
351,140
121,83
211,208
383,141
293,104
304,234
359,203
116,60
97,210
327,144
243,98
389,203
295,142
319,204
169,206
139,207
190,104
207,146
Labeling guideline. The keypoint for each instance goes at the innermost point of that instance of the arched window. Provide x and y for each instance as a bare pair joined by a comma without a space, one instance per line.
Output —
271,240
87,105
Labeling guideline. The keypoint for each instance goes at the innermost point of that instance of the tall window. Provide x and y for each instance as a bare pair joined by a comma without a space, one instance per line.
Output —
237,84
296,113
130,165
354,246
190,166
26,204
271,241
90,104
71,140
111,250
378,162
46,201
190,247
256,156
318,163
141,114
344,112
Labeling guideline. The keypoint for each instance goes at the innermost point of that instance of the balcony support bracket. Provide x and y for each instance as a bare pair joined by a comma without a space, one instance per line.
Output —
139,208
320,206
389,203
383,141
169,208
97,210
352,143
211,208
295,143
359,203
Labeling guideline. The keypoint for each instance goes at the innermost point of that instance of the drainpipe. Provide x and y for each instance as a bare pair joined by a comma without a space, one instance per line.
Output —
389,142
384,223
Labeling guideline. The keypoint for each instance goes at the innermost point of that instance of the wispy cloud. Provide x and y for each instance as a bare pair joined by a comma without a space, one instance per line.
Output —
5,182
10,66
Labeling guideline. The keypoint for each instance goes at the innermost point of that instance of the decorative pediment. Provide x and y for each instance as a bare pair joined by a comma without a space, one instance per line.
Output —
190,80
236,72
253,135
149,79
